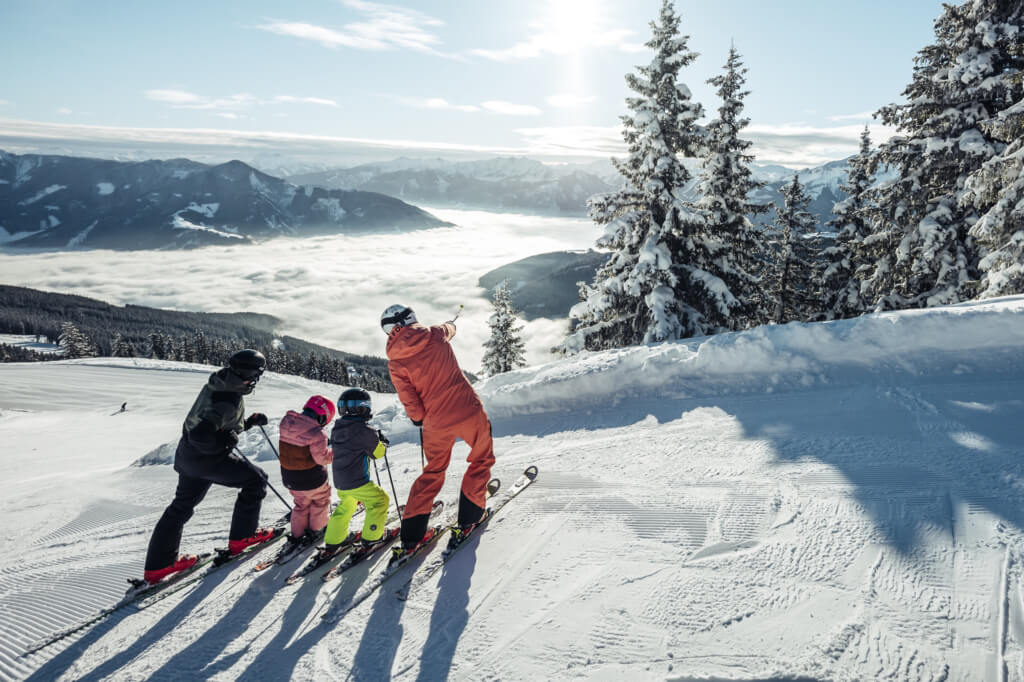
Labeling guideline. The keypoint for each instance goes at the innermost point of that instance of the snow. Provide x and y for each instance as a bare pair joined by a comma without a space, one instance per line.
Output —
29,342
104,188
80,238
42,194
180,223
830,501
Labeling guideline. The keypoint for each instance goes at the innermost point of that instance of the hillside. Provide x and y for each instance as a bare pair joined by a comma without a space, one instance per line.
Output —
179,335
832,501
59,202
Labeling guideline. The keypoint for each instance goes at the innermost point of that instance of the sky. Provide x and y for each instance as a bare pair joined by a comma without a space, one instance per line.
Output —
339,82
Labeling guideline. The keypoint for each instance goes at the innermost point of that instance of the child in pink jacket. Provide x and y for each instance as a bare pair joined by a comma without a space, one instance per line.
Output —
304,456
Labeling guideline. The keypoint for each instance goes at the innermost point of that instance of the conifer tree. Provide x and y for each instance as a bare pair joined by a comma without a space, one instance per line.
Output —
74,343
647,289
959,83
505,348
120,348
735,245
792,291
850,260
996,190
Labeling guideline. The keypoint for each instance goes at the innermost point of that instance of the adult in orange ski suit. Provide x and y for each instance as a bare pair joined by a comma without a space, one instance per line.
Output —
438,398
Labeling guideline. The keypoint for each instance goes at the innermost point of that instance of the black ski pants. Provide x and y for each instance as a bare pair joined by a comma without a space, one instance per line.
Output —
195,476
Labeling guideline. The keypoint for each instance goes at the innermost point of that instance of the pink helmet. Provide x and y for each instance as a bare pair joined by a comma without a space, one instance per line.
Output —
322,406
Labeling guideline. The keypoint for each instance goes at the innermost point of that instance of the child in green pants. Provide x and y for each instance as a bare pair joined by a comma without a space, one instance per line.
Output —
354,442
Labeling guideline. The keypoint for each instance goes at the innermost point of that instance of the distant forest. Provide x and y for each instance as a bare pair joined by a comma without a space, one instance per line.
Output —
85,327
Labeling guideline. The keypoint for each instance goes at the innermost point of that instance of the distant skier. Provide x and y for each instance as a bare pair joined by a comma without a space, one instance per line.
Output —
124,406
304,456
204,457
354,442
437,398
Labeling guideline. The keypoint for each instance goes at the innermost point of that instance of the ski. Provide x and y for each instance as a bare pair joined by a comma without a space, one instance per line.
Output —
142,594
357,555
396,563
321,558
290,551
528,476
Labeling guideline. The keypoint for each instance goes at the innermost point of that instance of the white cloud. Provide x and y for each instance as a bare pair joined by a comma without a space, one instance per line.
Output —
289,99
230,115
436,103
384,27
804,146
510,109
64,111
865,116
566,27
3,103
568,101
182,99
789,145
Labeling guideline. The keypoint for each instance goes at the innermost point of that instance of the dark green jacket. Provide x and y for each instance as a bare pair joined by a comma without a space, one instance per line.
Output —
217,415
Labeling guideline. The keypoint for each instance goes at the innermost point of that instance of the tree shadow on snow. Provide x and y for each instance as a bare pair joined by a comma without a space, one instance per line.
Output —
914,450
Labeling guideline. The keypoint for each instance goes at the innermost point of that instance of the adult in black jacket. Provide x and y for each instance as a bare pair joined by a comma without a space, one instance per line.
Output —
205,455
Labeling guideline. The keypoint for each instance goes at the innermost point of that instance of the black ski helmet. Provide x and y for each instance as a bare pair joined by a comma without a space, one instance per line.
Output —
247,364
355,402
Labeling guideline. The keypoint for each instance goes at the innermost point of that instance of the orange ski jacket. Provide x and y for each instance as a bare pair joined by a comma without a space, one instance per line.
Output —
427,377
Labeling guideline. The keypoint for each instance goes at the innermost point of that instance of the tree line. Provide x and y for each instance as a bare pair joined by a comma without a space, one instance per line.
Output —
84,327
945,225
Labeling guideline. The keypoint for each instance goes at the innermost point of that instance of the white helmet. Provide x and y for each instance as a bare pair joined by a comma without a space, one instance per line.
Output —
396,316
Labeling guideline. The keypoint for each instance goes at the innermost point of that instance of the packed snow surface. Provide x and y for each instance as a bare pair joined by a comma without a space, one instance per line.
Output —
835,501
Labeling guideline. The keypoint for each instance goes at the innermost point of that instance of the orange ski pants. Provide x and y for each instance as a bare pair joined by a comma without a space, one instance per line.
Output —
437,448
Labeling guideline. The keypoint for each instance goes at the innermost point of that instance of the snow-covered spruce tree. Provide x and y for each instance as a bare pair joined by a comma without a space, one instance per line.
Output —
996,190
120,348
958,84
652,287
734,244
505,348
74,343
791,290
849,259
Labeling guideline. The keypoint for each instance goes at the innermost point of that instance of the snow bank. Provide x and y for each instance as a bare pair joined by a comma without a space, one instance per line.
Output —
772,358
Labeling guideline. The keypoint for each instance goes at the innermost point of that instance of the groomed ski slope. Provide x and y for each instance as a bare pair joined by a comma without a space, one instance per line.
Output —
836,501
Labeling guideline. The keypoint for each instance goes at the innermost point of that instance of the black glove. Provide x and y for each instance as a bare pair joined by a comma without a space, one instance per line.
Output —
417,423
226,440
382,438
255,419
260,472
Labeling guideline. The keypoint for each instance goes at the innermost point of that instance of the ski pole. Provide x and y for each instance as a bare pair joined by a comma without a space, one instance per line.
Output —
458,312
376,471
270,442
259,472
393,491
423,457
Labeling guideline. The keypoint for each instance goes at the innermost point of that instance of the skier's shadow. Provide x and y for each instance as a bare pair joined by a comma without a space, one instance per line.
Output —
381,638
63,662
450,616
202,657
277,658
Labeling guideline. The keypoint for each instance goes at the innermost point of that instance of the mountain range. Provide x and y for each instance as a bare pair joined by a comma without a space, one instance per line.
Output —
61,202
529,186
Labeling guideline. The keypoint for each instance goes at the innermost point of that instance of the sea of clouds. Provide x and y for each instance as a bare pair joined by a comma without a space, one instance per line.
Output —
329,290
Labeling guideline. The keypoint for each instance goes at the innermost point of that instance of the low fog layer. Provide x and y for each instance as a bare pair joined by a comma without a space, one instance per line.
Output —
328,290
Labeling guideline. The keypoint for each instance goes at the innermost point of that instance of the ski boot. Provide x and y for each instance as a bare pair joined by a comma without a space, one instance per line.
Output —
183,563
261,535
